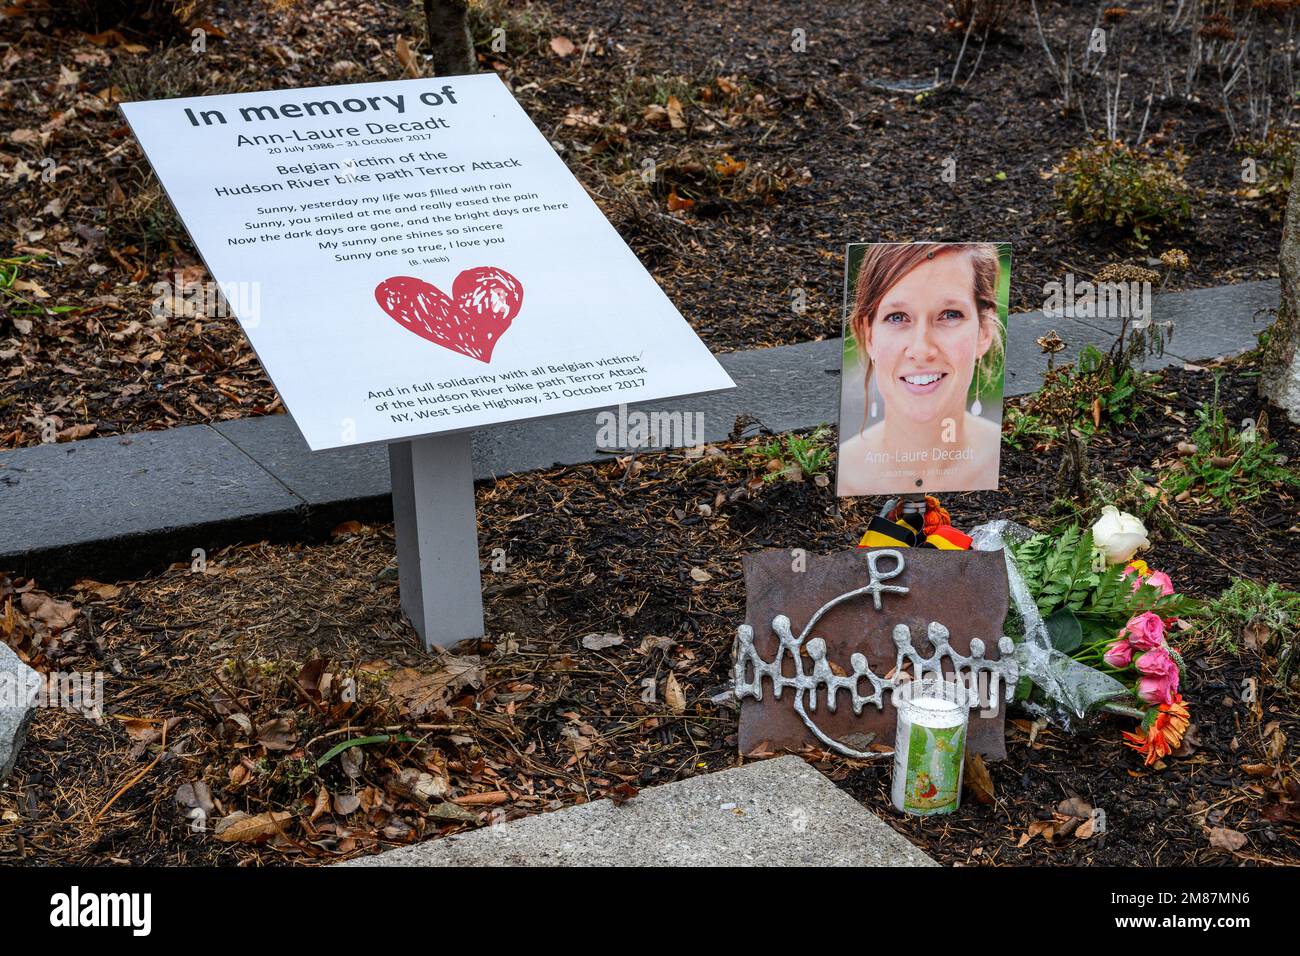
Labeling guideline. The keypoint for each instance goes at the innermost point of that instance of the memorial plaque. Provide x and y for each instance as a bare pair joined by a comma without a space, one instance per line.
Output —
411,261
878,617
412,258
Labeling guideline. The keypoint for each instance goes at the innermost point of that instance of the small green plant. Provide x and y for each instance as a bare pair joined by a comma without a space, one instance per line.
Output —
299,770
12,290
504,26
1231,466
9,269
1102,388
1091,393
1274,165
1023,430
630,99
796,456
1110,184
1266,615
1098,389
1117,400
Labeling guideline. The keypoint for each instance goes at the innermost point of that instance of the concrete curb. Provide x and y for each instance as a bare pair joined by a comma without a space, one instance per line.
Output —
778,812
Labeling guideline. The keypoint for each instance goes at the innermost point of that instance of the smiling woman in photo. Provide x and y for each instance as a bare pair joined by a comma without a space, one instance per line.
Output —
927,327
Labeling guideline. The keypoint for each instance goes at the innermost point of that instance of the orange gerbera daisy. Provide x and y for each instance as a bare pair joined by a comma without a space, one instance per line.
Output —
1162,730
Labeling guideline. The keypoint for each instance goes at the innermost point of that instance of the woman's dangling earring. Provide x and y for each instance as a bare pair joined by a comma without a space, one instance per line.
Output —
976,408
873,409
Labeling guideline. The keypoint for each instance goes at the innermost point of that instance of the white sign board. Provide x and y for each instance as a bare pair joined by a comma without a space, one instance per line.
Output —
412,257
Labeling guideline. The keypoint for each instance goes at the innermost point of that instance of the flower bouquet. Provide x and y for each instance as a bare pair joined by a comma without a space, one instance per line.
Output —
1110,615
1090,620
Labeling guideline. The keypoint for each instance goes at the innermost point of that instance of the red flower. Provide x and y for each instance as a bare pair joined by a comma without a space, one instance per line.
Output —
1162,730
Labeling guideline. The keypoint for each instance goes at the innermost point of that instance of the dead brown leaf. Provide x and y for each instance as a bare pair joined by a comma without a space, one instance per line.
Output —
239,827
277,734
653,643
1071,813
1274,741
41,607
675,118
420,692
673,695
345,803
977,779
655,114
406,57
489,798
1256,635
727,166
1044,828
1222,838
105,592
322,804
599,642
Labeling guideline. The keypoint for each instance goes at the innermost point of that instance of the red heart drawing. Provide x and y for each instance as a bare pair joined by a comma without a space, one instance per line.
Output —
485,301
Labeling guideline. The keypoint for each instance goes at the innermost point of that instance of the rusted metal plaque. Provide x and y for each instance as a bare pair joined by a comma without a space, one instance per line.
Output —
961,593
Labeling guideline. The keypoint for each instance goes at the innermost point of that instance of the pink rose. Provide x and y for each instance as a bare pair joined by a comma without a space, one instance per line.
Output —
1145,632
1158,690
1119,654
1160,679
1156,663
1161,580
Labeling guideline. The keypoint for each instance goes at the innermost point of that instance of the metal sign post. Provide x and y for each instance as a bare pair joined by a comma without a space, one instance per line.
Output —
437,539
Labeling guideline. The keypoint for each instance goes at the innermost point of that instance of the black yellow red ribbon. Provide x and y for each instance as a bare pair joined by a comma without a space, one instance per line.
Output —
901,528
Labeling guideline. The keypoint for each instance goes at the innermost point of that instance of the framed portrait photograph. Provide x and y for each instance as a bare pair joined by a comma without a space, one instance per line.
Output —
922,374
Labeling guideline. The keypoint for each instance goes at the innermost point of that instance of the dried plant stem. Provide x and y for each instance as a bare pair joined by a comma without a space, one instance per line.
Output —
162,749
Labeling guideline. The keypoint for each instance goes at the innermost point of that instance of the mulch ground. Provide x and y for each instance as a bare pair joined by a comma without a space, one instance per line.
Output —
229,687
775,159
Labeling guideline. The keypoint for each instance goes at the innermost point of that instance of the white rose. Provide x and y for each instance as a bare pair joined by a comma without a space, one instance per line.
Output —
1119,535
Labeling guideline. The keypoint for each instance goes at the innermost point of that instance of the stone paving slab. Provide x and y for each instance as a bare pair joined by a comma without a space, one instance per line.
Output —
123,504
316,478
19,685
116,505
787,387
778,812
1209,323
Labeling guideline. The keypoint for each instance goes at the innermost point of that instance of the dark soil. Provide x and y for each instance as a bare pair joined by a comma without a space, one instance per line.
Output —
223,660
829,157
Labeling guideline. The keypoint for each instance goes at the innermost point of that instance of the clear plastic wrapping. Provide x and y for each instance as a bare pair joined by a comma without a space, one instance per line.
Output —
1072,689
